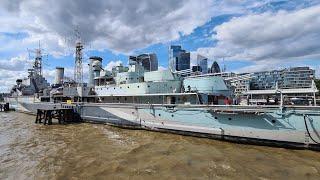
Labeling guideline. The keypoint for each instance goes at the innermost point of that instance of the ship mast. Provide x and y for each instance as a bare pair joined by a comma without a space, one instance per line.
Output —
78,69
37,65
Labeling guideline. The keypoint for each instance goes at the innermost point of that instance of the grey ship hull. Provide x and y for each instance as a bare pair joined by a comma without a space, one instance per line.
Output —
296,127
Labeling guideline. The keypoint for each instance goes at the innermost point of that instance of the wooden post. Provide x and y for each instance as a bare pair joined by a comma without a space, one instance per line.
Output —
59,116
50,117
45,117
37,118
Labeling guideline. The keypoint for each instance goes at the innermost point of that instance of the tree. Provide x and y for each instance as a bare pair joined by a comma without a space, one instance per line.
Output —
317,81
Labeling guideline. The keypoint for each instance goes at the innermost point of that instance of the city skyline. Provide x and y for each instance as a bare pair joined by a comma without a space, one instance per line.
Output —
245,36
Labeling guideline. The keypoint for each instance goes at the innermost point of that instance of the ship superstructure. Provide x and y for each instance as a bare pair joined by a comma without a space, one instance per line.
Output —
35,82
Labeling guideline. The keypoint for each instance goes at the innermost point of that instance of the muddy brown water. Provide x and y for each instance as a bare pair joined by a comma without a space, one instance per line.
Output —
95,151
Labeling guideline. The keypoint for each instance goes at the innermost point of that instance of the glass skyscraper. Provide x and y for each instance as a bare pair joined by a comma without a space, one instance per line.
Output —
179,59
203,63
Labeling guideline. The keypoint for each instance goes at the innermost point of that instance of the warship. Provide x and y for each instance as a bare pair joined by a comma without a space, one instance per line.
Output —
167,101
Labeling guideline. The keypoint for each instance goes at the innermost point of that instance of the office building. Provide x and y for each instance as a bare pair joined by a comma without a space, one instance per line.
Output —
289,78
265,80
149,61
296,77
202,62
179,59
215,68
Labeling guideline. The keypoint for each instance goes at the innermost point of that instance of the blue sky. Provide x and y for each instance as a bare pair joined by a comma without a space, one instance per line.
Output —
243,36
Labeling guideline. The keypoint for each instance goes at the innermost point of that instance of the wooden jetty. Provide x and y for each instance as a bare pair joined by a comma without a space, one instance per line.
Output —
4,107
63,115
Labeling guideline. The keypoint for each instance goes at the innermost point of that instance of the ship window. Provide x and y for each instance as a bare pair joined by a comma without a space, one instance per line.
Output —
159,114
128,87
125,99
215,117
118,99
148,86
114,88
126,78
172,115
229,119
138,86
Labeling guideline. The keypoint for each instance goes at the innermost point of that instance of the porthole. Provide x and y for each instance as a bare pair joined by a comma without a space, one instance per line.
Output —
273,121
159,114
114,88
138,86
148,86
128,87
172,115
216,117
229,119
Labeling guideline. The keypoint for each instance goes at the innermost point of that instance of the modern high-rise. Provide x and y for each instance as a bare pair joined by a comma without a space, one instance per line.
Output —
203,63
215,68
179,59
149,61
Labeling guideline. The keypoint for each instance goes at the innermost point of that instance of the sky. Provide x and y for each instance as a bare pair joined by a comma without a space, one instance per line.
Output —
241,35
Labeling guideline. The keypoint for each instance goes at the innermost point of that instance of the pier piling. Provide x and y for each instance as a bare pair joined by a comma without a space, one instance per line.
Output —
63,115
4,107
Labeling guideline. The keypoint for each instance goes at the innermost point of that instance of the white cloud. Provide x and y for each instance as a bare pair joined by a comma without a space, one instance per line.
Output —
161,68
112,64
15,64
121,26
269,36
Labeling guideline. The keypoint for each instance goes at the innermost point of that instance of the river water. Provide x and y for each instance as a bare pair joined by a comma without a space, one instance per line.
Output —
95,151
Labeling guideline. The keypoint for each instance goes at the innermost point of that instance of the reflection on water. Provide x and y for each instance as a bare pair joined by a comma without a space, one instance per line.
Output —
89,151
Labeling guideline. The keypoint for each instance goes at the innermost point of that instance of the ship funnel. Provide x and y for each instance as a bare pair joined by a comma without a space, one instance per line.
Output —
95,67
59,75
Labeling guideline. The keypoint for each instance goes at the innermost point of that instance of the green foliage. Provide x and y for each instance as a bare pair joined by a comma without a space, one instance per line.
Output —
317,81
